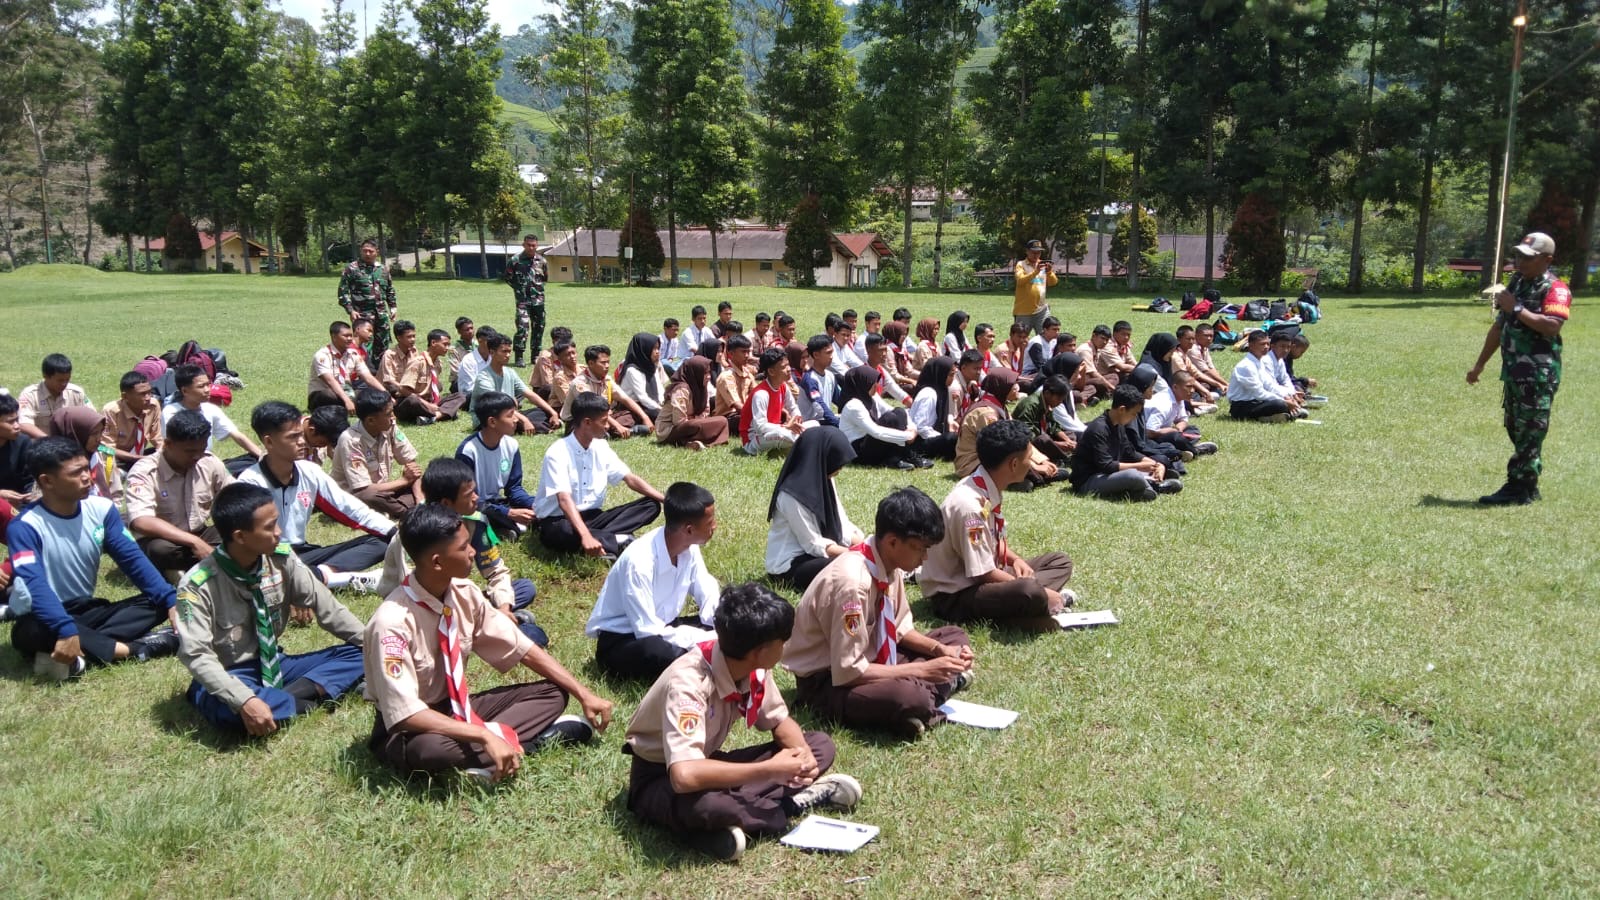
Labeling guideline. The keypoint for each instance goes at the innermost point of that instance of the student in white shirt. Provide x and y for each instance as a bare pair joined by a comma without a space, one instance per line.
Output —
194,389
809,524
695,336
845,356
673,353
1253,393
643,381
955,334
569,501
879,436
878,358
933,406
638,622
770,418
477,361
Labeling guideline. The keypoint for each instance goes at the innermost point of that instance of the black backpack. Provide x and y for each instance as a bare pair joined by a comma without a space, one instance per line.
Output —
1310,296
1214,295
1188,301
1279,309
1255,310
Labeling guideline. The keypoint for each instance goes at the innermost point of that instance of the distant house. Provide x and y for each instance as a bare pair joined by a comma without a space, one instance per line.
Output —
232,251
468,263
745,255
958,201
856,260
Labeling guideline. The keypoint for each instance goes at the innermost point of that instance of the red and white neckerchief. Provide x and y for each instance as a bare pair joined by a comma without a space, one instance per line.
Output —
883,381
338,365
138,436
1001,553
1016,357
992,399
749,702
988,359
433,382
887,651
455,670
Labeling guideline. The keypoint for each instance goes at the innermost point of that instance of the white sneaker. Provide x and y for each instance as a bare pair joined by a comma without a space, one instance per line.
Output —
726,844
366,582
484,777
837,790
45,666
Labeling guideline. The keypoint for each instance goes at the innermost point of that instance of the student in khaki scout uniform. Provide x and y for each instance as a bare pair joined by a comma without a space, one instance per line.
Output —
626,418
973,573
336,369
856,655
171,494
733,386
133,420
416,652
413,376
374,461
682,779
232,609
451,483
55,391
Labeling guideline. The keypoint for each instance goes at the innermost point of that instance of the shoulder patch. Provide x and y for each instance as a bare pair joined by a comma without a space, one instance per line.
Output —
198,575
283,549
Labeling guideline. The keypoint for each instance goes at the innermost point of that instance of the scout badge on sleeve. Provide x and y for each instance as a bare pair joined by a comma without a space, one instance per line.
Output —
688,716
852,617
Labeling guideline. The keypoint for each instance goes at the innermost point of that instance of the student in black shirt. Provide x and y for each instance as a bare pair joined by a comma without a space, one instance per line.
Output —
1106,465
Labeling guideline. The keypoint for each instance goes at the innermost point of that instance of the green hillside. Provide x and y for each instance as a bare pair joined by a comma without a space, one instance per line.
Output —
522,117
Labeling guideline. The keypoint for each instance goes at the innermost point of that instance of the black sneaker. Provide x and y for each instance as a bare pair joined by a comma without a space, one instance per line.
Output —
726,844
154,645
565,730
1169,486
518,363
425,421
904,465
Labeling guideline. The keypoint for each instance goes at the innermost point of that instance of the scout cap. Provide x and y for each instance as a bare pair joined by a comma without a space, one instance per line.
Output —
1036,245
1537,243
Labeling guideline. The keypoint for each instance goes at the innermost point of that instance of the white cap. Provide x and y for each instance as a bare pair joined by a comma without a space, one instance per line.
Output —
1536,243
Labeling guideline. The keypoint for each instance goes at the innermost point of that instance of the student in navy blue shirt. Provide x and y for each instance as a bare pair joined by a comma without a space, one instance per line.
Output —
492,453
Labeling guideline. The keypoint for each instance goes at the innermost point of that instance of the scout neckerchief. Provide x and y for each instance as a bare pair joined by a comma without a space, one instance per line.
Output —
138,436
982,486
433,380
1016,356
988,360
338,365
887,651
749,702
266,638
455,670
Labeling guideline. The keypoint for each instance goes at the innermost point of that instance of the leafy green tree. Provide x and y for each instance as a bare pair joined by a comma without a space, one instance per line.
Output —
639,232
808,244
1123,245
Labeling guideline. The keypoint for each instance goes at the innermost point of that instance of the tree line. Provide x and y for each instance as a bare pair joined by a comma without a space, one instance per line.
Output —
1250,118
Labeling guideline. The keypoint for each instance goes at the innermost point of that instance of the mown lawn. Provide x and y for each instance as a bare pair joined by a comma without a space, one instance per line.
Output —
1335,674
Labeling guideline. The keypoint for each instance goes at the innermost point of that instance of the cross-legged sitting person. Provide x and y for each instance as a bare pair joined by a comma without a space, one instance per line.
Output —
54,391
170,497
770,420
374,461
683,781
194,393
232,610
415,653
570,499
56,545
1108,465
638,622
133,420
497,461
810,527
856,655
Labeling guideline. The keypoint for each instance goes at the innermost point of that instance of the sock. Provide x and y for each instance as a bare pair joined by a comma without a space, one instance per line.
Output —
304,689
301,707
336,580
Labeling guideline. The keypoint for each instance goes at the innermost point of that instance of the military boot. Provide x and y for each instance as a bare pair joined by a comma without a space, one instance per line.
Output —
518,363
1512,493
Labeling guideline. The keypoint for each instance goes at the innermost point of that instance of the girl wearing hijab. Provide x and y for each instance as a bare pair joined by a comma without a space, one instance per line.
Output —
685,419
879,437
999,391
1067,365
955,334
905,374
932,404
86,426
809,524
927,343
1158,353
642,379
711,349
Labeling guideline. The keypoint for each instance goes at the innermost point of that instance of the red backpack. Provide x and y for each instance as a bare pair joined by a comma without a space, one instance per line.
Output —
1200,310
191,353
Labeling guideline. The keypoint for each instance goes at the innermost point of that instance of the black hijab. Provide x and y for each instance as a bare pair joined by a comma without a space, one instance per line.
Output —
936,375
818,453
860,383
1158,352
638,357
1066,364
711,348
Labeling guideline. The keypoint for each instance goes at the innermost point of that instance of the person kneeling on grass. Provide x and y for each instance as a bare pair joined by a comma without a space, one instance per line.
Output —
682,779
638,621
415,650
973,573
232,609
56,545
450,483
856,655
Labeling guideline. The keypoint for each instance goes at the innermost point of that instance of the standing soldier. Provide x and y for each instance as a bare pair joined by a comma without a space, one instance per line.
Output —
365,290
1527,332
526,273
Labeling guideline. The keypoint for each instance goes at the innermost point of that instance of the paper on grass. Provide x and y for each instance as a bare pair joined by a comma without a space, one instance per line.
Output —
1086,619
823,833
977,715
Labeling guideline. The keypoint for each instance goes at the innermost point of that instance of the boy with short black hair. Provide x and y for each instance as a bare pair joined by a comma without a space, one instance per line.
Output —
38,402
783,324
194,392
697,333
1106,464
461,348
171,494
336,369
570,498
722,328
1037,411
374,461
496,461
770,419
682,780
545,365
974,573
133,420
672,351
814,400
415,648
56,545
243,680
16,481
624,417
501,377
845,354
856,654
733,386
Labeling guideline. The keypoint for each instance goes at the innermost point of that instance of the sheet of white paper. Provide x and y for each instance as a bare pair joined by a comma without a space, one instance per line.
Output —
1086,619
977,715
823,833
1309,421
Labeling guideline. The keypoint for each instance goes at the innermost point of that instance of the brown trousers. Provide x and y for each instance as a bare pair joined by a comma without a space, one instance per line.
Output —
756,807
882,704
393,504
527,709
169,557
709,430
1021,598
411,409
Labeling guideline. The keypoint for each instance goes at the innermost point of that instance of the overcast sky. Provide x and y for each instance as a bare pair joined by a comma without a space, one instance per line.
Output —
508,14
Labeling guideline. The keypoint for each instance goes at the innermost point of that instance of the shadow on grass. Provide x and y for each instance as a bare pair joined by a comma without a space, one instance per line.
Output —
1434,500
1455,303
360,768
177,717
651,845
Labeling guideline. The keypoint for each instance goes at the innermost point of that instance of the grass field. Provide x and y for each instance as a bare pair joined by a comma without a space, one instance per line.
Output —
525,116
1335,674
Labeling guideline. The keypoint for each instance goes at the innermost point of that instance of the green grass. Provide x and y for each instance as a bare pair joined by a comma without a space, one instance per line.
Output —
526,117
1335,675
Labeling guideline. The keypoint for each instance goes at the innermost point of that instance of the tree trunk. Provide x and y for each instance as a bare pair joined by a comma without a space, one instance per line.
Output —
1419,263
216,237
1211,202
672,233
322,247
416,260
127,245
149,264
1580,264
716,267
594,250
1135,235
353,253
483,252
1357,264
244,246
572,247
1491,219
380,244
44,177
271,265
905,252
938,232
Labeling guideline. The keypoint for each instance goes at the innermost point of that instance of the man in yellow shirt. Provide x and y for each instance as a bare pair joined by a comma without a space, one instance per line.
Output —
1033,275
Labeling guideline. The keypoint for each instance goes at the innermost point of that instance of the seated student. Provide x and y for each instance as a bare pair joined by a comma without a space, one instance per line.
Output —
673,352
1122,343
933,408
558,384
784,327
685,419
1253,392
955,334
762,336
1202,403
460,348
86,427
38,402
194,393
723,328
1071,368
300,488
232,610
815,397
413,377
856,655
323,427
571,495
624,417
170,496
1166,416
899,360
56,545
734,384
969,380
427,719
809,524
1037,411
695,336
877,353
974,573
983,340
712,349
336,369
364,329
1088,385
451,483
999,391
475,361
133,420
373,460
1298,345
682,780
496,460
638,621
1200,361
1107,465
879,436
1107,360
642,378
501,378
845,354
1039,350
1166,452
542,371
1013,352
16,480
926,346
770,419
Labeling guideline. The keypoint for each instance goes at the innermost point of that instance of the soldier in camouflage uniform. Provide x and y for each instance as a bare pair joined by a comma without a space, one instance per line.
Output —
365,290
526,273
1527,332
